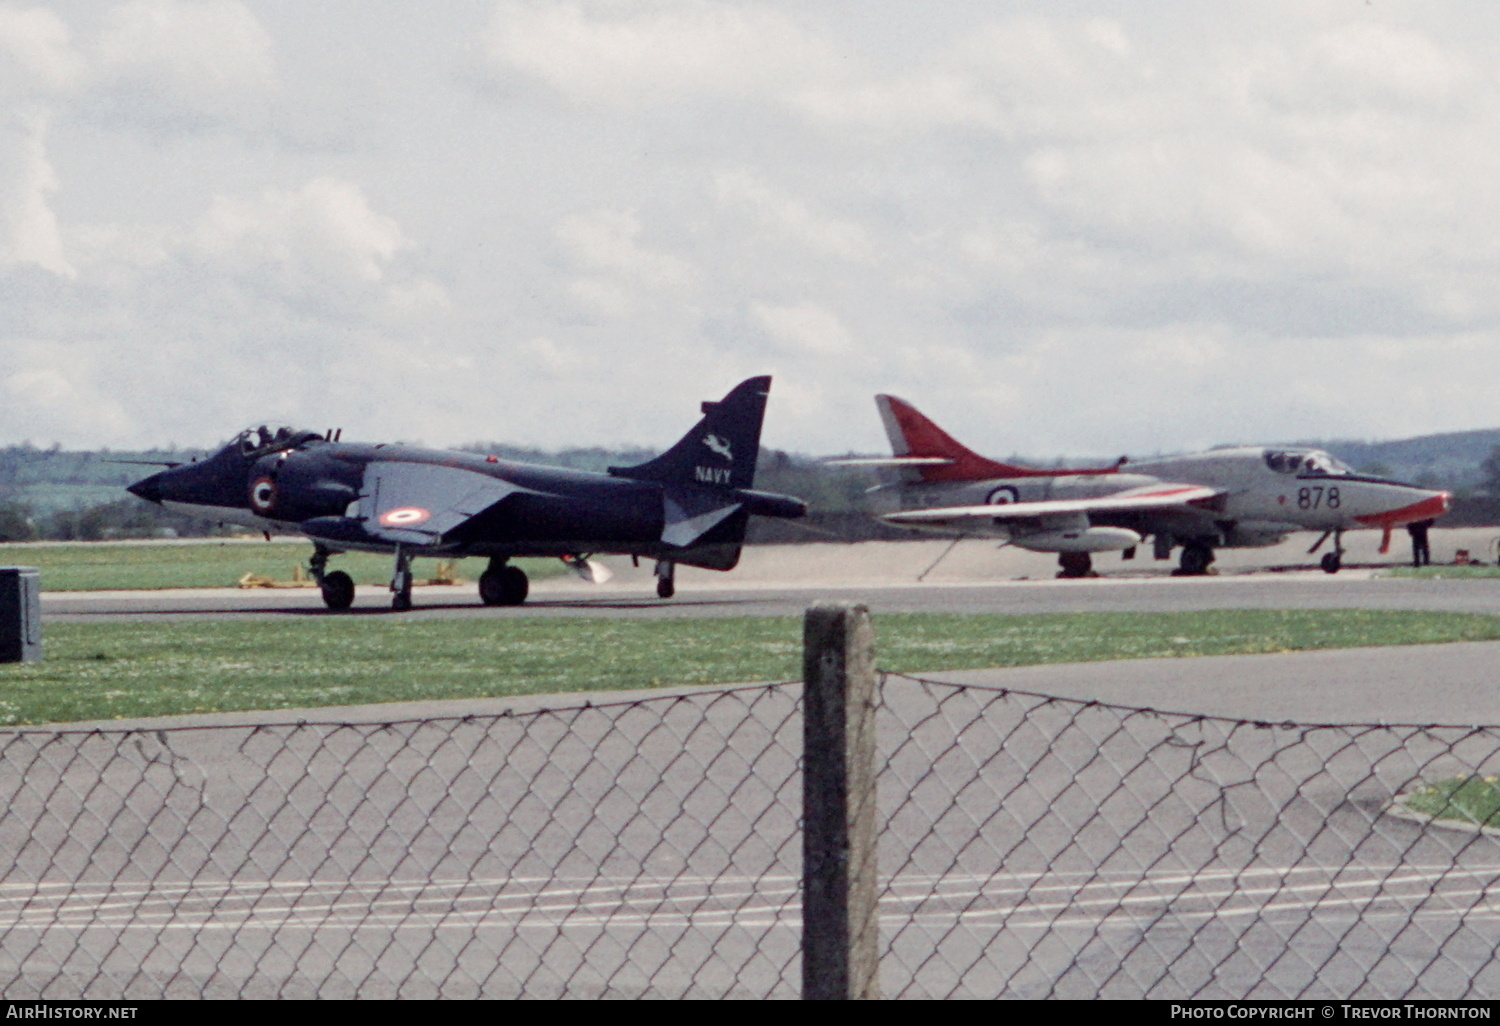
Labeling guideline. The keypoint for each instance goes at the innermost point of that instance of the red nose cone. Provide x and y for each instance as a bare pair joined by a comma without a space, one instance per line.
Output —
1435,505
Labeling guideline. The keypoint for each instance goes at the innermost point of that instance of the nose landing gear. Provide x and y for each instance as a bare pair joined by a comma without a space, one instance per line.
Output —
337,587
1331,561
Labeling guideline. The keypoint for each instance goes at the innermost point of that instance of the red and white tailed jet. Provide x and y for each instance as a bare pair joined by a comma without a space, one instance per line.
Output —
1240,497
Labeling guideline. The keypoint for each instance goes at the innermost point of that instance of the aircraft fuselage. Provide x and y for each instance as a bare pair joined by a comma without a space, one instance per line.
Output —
1268,493
688,505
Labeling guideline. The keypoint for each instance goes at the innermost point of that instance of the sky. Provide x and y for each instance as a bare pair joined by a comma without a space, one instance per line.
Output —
1057,227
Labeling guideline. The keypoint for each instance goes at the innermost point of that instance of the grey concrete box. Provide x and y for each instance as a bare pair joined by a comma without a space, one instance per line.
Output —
20,614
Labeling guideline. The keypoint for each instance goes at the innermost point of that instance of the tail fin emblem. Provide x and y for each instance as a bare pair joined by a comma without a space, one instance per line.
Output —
719,446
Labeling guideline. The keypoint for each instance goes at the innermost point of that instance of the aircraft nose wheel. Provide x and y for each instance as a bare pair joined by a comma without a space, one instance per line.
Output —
401,601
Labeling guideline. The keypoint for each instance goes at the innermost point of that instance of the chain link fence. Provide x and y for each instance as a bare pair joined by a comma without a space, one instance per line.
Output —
1040,847
615,850
1029,846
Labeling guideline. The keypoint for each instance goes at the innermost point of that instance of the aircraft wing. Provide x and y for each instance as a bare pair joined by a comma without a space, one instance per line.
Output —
1149,497
890,461
418,503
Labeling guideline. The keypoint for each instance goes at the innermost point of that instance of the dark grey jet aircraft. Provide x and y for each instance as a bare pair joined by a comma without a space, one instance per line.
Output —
689,505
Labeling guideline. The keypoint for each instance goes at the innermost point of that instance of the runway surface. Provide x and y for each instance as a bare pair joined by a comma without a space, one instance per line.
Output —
540,854
1310,589
920,576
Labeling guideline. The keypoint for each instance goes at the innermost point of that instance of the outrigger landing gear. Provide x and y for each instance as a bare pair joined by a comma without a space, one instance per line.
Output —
1075,564
502,584
337,587
666,586
401,582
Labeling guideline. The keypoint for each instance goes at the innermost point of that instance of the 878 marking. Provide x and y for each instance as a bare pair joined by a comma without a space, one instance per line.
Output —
1314,498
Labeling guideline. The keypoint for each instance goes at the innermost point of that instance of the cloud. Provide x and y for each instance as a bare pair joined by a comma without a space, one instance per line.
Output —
182,64
38,67
608,240
56,391
622,274
804,327
321,236
1010,77
1061,232
793,217
1333,151
37,57
29,232
649,54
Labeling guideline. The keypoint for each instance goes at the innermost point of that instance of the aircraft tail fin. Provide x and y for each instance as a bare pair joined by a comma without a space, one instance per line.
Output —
722,448
931,454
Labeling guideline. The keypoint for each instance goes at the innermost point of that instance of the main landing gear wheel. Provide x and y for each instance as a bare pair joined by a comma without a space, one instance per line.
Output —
665,588
503,586
1075,564
1195,559
1331,562
338,590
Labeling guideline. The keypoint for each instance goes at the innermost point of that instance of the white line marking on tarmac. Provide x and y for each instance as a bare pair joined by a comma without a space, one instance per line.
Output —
992,901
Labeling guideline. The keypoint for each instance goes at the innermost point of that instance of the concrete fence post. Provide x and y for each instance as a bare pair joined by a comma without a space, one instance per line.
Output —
840,921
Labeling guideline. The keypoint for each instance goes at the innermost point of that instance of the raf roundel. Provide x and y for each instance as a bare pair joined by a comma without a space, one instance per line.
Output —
403,516
262,494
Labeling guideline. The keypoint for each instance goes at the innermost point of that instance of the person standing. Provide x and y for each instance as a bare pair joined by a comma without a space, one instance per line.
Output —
1421,555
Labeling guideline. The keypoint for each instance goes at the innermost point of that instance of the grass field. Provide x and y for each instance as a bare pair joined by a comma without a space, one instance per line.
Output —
111,670
1442,572
1465,800
102,566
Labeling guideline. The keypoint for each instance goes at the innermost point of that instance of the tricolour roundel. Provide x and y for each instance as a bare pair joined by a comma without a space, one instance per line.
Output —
1002,496
403,516
262,494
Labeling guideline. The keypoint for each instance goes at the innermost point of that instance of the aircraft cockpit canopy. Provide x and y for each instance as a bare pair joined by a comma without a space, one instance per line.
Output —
258,441
1305,462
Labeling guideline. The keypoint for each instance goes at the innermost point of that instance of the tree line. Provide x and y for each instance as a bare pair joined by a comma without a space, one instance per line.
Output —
38,489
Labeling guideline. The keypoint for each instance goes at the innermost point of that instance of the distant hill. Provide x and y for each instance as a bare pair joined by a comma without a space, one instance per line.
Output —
1449,460
57,493
50,480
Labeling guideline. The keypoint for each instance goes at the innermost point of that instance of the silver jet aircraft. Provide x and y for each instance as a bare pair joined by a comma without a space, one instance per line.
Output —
1240,497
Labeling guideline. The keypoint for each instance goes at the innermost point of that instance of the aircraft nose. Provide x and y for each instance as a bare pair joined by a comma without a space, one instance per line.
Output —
1408,505
1435,504
147,488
